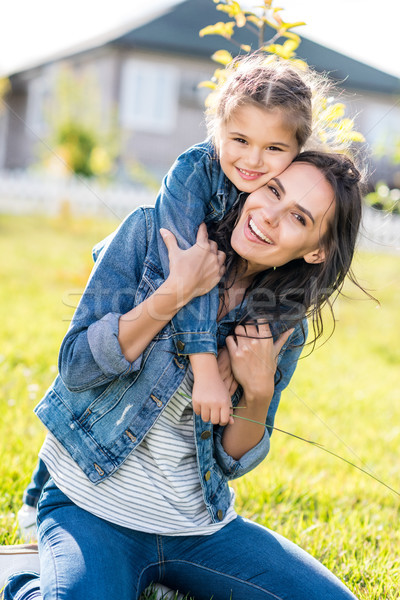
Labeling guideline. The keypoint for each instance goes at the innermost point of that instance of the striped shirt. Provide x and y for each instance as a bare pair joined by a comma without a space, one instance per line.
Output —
157,489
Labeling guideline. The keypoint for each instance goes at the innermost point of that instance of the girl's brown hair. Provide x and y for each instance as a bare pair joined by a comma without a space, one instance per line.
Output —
267,83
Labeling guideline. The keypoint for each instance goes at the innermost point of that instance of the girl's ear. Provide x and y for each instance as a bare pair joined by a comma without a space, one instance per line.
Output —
315,257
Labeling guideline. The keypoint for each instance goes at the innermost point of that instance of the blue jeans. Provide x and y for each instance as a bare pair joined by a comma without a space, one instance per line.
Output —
86,558
39,477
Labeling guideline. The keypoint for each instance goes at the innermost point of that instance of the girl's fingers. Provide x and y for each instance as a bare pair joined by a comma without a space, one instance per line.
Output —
169,240
213,247
202,236
221,256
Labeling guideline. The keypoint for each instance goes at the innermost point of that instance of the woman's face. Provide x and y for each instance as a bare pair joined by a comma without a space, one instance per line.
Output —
285,219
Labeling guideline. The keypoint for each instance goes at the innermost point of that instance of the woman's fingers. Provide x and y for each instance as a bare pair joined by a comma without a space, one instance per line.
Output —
248,337
254,330
281,341
231,344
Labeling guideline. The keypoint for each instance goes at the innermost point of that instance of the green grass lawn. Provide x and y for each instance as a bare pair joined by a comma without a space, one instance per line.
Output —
344,396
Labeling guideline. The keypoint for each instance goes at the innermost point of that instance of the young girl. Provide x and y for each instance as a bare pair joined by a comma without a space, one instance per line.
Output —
134,497
259,122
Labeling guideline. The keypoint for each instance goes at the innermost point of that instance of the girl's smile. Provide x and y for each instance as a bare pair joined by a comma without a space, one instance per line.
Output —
249,175
255,145
285,219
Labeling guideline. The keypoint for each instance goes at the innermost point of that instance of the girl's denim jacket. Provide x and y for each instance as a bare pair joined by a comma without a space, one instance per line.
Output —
194,190
101,406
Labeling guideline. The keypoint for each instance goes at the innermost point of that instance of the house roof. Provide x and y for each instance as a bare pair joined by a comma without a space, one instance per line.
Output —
176,31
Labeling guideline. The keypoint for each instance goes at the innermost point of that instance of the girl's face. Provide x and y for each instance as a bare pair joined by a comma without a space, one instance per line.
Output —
285,219
256,145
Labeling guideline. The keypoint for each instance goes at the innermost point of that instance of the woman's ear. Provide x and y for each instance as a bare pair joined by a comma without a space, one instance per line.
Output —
315,257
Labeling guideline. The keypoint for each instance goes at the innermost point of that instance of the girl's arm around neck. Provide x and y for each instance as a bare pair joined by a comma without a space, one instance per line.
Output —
139,326
193,272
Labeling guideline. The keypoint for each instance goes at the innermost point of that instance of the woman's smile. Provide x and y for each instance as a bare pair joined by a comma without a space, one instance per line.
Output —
252,231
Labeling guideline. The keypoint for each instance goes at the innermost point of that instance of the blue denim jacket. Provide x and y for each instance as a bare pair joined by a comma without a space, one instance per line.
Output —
101,406
194,190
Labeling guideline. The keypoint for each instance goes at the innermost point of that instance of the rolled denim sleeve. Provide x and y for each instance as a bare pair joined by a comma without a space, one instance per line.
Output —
104,345
184,202
287,362
236,468
90,354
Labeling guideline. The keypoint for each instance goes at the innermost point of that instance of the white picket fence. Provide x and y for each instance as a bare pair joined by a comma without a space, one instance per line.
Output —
30,193
380,231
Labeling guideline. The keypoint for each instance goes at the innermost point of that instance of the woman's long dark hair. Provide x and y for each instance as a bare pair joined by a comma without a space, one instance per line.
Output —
299,289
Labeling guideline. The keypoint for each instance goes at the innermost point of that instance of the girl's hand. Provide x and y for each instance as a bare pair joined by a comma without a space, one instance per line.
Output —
210,399
225,370
253,357
195,271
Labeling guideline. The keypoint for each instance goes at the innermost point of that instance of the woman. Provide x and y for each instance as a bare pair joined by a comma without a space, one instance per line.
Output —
134,496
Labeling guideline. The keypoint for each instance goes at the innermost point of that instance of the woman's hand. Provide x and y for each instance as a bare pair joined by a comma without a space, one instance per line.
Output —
253,357
195,271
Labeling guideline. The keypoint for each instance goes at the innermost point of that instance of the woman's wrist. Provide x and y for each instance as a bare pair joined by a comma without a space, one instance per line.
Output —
257,392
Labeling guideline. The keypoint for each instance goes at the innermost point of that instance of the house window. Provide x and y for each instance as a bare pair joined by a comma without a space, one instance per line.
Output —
149,96
37,98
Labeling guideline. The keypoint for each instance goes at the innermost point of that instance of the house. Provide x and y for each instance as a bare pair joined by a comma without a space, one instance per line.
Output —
148,74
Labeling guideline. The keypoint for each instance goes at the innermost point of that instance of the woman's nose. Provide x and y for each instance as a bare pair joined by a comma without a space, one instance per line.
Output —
272,215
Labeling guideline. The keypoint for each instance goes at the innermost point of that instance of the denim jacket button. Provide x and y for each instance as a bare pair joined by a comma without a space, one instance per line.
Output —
220,514
180,345
205,435
207,475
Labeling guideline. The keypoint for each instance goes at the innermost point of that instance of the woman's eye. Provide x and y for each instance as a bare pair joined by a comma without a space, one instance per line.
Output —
274,191
300,218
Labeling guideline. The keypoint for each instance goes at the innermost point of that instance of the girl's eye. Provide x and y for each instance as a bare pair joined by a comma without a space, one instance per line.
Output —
274,148
240,140
300,218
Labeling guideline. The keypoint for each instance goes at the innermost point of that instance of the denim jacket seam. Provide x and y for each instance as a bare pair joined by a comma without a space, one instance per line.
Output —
194,333
82,388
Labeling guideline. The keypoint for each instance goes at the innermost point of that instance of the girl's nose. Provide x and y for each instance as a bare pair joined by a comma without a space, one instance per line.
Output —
254,158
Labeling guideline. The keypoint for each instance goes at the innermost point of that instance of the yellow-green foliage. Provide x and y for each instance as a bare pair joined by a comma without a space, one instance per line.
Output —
4,89
333,129
78,140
